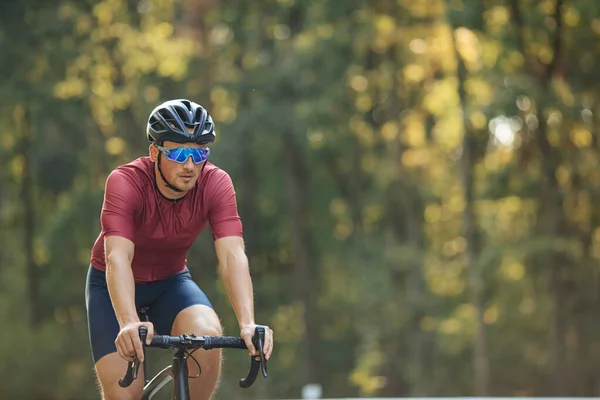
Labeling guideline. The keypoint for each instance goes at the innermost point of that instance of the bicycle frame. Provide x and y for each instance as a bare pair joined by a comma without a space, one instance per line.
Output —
177,371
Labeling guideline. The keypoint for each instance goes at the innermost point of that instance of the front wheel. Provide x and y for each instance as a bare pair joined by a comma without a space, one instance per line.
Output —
160,380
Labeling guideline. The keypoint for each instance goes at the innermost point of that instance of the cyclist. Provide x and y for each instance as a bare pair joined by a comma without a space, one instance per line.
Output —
154,208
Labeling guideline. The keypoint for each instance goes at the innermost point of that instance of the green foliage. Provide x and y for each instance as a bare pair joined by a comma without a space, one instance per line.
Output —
341,124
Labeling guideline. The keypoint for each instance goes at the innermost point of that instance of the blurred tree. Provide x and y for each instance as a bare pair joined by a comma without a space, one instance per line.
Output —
416,179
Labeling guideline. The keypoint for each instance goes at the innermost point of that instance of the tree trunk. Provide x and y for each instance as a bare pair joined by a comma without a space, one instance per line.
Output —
551,223
3,242
303,259
29,215
551,216
476,284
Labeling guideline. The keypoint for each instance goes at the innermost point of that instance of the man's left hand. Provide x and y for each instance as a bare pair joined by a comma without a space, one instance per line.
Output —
247,333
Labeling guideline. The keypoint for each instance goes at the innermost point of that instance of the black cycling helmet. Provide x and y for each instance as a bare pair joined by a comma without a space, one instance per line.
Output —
171,120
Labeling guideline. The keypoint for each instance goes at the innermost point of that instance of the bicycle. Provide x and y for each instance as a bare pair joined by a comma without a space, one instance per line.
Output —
178,370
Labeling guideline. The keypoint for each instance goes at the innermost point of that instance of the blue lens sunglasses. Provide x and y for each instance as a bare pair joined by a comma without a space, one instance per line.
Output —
181,154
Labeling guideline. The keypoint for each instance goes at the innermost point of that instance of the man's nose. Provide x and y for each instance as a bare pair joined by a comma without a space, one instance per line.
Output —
189,163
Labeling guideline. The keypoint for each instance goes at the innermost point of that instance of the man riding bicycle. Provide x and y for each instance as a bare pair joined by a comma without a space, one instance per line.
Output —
154,209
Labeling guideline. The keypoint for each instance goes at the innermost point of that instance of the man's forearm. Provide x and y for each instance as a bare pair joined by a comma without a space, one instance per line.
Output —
238,284
119,279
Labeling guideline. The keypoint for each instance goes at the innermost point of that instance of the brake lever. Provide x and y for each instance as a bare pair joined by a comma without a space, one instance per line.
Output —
131,374
258,340
134,366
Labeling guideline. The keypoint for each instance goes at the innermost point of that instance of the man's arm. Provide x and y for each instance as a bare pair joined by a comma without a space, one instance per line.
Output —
119,278
233,266
226,229
121,203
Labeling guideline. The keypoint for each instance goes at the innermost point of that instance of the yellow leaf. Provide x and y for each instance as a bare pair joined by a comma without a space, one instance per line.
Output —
478,120
103,13
490,50
490,315
343,229
385,26
448,131
415,157
581,137
372,214
546,6
413,73
115,146
73,87
563,175
441,97
571,17
450,326
497,16
224,114
468,47
325,31
305,41
151,94
359,83
413,134
16,166
563,90
389,131
66,11
41,253
480,91
433,213
339,207
544,53
512,270
172,67
595,24
364,102
316,139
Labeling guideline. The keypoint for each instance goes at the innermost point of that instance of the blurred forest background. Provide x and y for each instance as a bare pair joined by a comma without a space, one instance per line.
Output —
417,181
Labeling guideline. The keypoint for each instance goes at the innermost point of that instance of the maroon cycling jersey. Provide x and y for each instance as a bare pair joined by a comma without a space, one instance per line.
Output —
163,230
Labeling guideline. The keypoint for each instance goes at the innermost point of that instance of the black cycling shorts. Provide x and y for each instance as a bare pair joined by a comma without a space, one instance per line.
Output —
163,299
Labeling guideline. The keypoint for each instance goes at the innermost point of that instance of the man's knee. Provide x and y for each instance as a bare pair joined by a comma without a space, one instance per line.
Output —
198,319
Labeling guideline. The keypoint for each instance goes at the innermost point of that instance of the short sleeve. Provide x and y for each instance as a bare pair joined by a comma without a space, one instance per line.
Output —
223,215
122,201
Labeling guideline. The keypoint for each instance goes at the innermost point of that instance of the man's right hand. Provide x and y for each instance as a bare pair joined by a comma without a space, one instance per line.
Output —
128,343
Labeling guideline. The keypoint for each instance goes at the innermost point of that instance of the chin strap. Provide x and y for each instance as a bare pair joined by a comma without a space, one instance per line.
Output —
167,184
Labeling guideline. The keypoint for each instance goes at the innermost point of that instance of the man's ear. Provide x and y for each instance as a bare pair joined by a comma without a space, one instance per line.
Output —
153,151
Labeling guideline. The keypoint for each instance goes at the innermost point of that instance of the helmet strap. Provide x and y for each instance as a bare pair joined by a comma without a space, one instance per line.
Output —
167,184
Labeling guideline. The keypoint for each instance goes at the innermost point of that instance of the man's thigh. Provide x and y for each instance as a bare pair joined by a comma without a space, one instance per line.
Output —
103,330
181,294
103,326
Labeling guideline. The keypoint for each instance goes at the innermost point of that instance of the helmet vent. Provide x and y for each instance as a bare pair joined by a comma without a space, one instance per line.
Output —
198,115
182,114
168,117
